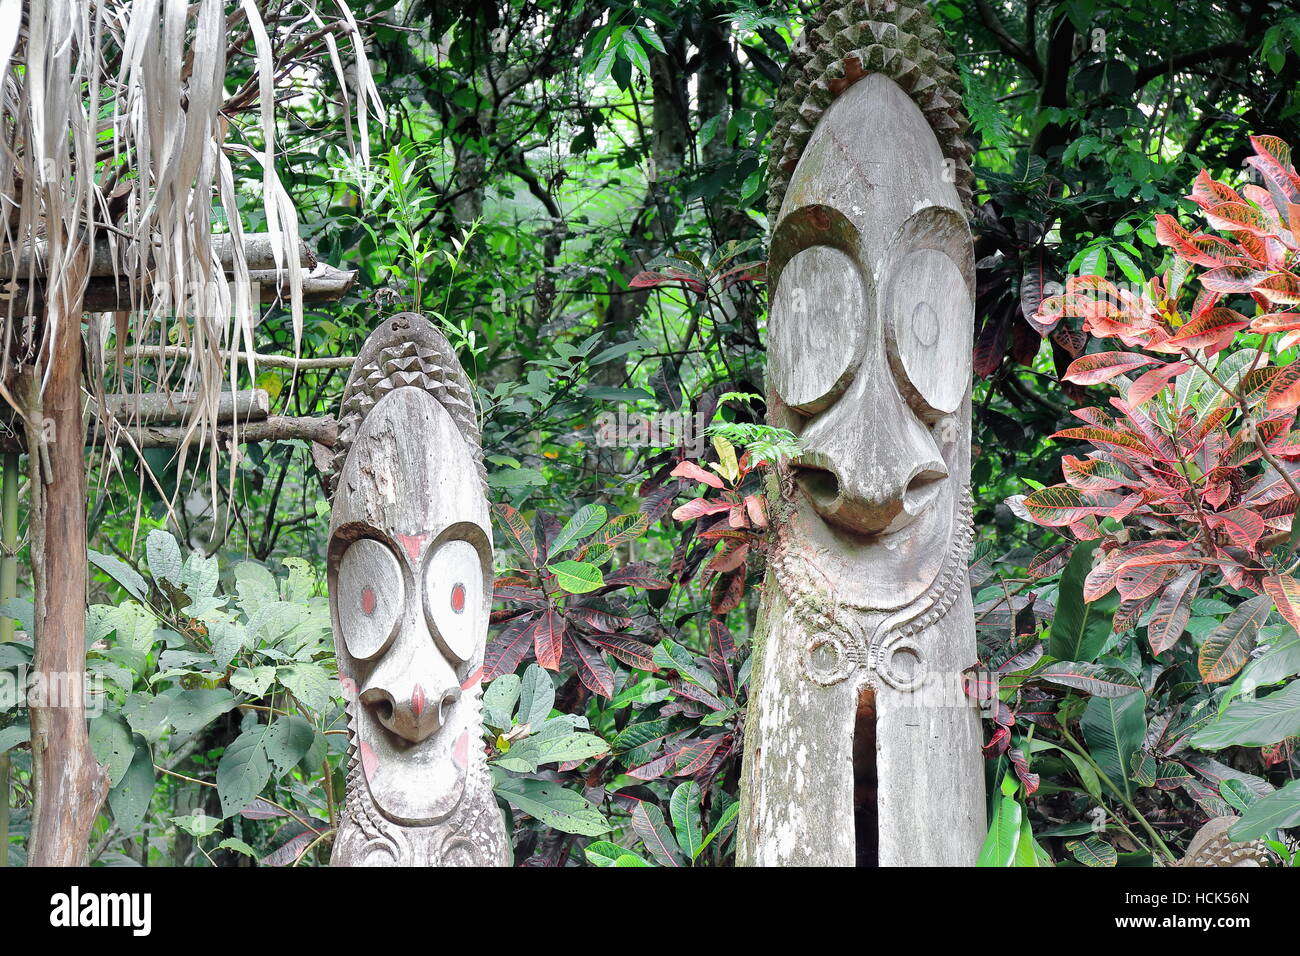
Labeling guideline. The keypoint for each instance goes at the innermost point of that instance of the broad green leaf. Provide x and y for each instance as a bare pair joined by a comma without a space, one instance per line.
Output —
1094,679
287,741
130,798
1093,851
197,825
147,714
724,821
1113,728
1254,723
244,769
499,701
309,683
13,735
649,823
1276,811
1080,629
603,853
164,556
121,572
238,846
685,810
192,710
587,521
536,696
577,577
253,681
553,805
1004,834
110,740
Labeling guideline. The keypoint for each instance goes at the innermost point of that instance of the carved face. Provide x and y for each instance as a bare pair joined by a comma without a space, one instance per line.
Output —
410,570
869,343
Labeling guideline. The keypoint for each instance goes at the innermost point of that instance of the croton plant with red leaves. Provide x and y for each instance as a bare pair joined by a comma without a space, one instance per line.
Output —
1195,459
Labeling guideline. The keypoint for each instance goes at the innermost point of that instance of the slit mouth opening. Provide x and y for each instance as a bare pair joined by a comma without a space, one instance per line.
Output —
866,814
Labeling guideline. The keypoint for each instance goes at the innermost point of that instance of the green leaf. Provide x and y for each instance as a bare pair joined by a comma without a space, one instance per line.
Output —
253,681
287,741
1254,723
604,853
1094,851
121,572
1004,834
197,825
499,701
724,821
685,810
1276,811
110,740
649,823
244,769
587,521
536,696
577,577
1080,629
552,805
1113,728
130,798
13,735
164,556
309,683
238,846
192,710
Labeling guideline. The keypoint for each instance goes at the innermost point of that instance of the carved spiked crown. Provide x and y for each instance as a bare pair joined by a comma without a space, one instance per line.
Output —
844,42
406,350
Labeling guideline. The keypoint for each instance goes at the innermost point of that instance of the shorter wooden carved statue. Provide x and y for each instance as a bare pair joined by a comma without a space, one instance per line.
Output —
410,572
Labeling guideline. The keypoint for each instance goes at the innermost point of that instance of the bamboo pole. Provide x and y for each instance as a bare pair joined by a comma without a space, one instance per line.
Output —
8,591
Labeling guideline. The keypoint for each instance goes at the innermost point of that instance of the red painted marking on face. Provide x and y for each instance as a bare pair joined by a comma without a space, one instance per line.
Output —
412,544
458,598
367,601
460,753
417,700
472,680
349,685
369,762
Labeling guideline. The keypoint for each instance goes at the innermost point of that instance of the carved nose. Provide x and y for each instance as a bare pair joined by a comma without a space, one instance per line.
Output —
873,501
415,716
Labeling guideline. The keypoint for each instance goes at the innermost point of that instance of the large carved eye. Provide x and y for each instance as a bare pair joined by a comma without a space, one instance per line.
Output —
813,328
453,588
928,310
370,598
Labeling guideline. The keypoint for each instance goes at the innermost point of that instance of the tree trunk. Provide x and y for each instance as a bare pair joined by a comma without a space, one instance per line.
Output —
69,784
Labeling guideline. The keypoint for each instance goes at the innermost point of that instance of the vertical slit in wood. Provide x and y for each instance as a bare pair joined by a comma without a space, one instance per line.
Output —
866,817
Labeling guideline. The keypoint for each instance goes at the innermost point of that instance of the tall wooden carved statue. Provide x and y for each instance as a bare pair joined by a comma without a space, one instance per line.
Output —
860,744
410,571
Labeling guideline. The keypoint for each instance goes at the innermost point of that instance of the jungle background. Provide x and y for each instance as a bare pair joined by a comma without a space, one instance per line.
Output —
577,192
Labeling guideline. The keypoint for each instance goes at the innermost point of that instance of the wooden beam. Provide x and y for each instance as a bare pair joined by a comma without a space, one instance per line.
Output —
160,408
136,353
320,429
110,259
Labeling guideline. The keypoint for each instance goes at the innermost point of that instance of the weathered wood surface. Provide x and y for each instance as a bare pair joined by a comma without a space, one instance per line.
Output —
409,567
866,621
110,258
160,408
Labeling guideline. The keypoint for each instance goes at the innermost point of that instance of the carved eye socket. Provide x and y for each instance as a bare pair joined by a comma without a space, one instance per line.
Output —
929,320
453,588
370,598
813,328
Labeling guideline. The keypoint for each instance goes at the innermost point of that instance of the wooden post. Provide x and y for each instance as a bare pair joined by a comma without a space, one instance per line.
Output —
8,591
69,783
861,746
410,578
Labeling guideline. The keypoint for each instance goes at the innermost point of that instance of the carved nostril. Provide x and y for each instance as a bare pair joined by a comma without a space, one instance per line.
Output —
923,487
449,698
819,484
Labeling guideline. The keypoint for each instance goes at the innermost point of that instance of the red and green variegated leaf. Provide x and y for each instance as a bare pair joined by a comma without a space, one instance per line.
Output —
1227,648
1106,436
1129,612
1284,390
649,824
1094,679
1239,217
1208,191
519,531
1275,167
1232,278
1174,611
1282,288
688,469
756,508
1149,384
1137,583
638,574
629,650
1061,505
648,280
1050,561
1275,322
1093,474
1183,243
509,649
1174,559
592,668
1103,366
694,755
654,769
1271,486
1243,527
597,621
1285,592
732,557
547,633
1210,330
699,508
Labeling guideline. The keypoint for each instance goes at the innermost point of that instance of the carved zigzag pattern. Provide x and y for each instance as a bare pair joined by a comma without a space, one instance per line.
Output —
409,364
846,42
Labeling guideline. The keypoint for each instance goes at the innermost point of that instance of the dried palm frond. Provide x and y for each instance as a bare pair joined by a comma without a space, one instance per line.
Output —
117,132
